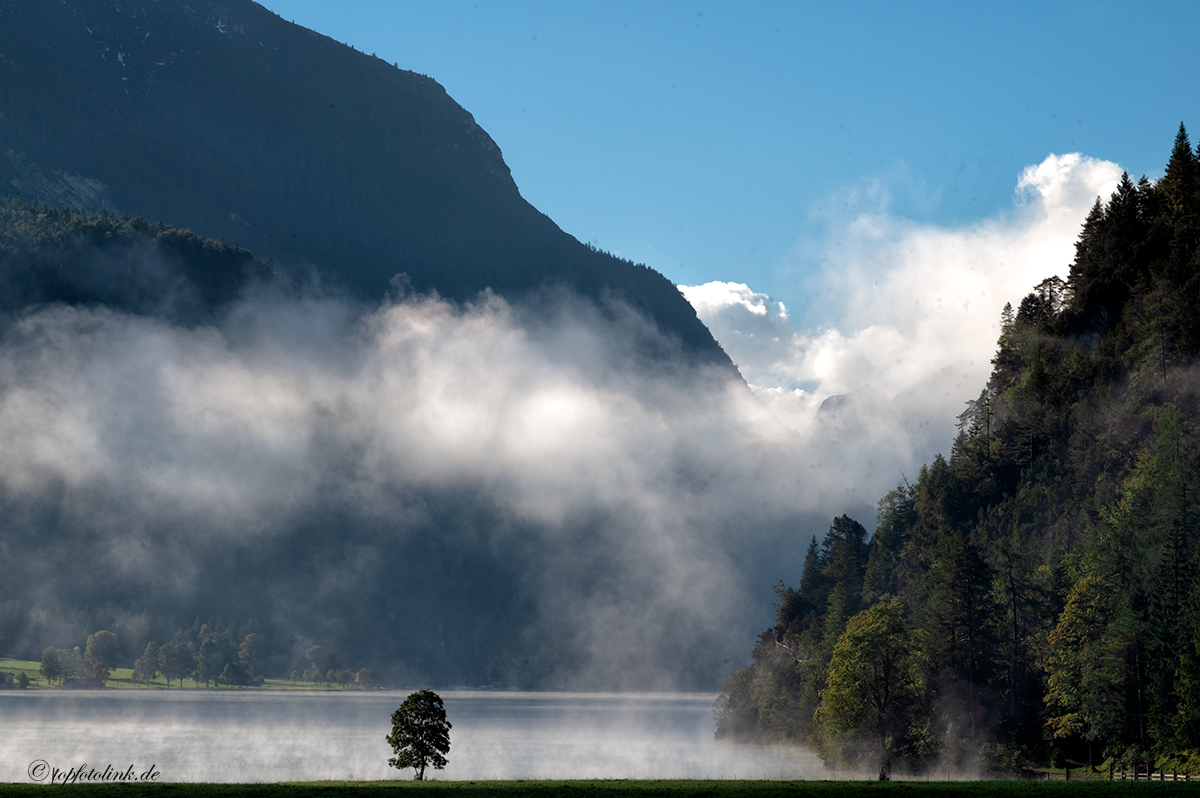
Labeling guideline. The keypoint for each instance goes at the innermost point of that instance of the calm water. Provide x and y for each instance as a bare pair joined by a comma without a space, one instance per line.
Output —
268,736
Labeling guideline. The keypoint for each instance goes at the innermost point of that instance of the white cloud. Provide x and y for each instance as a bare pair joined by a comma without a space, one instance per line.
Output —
908,310
758,338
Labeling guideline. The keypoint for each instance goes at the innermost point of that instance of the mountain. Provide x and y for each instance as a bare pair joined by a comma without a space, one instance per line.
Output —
1033,599
226,120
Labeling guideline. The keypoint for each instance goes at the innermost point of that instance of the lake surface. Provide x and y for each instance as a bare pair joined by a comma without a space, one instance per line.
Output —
244,736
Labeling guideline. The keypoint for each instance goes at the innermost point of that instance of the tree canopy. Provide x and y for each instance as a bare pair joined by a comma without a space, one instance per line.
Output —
102,652
420,735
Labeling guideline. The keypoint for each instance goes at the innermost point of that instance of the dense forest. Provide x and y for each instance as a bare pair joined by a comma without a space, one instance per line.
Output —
1034,598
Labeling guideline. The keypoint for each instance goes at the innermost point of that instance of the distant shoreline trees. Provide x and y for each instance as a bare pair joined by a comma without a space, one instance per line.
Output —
210,654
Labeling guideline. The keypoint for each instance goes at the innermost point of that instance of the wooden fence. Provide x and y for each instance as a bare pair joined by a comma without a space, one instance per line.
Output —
1137,774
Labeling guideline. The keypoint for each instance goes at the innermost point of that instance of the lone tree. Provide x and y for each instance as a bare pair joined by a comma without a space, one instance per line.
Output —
420,733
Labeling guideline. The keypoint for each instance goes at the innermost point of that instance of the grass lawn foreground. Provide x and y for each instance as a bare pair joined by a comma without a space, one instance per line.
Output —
615,788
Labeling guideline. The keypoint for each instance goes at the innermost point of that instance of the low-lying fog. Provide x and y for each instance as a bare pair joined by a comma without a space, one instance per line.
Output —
536,495
270,737
460,495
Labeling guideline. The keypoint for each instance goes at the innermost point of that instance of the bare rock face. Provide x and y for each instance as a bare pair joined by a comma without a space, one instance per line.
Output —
59,189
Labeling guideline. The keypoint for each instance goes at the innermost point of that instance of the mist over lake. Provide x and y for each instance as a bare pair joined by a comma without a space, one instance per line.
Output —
270,736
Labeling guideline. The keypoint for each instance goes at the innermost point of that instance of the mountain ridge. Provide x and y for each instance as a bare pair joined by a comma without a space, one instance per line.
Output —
225,119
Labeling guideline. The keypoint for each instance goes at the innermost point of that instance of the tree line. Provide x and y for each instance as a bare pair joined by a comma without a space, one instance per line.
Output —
1034,598
212,654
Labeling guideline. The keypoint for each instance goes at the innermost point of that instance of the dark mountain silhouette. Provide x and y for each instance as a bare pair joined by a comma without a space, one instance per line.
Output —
225,119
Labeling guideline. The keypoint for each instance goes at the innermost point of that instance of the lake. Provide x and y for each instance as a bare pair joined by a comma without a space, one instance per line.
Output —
250,736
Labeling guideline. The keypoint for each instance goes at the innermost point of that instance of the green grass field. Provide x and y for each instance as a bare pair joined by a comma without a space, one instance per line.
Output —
32,670
122,679
614,789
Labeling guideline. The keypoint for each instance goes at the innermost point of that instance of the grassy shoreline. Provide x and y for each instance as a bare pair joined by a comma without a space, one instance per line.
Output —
615,788
122,679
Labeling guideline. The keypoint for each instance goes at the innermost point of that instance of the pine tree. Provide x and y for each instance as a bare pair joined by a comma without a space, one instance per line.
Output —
958,620
844,552
895,516
811,579
1179,180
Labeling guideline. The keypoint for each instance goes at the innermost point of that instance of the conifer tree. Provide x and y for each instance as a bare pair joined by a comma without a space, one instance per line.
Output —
810,579
844,553
1179,179
882,575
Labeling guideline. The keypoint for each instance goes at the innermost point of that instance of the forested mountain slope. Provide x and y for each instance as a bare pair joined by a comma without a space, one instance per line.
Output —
224,119
59,255
1035,597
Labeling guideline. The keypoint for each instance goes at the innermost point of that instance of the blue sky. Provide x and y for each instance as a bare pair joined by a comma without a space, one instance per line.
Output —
858,162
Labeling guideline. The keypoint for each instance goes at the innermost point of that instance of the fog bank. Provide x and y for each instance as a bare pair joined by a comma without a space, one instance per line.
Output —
273,737
474,494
